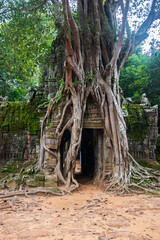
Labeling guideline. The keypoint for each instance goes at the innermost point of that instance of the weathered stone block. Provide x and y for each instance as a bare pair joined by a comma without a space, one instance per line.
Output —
51,180
50,135
32,183
52,143
39,177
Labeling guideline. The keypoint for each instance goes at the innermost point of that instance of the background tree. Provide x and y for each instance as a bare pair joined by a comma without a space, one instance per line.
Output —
141,74
26,38
133,71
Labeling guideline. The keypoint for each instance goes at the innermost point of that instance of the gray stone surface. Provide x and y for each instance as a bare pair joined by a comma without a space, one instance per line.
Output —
144,150
20,146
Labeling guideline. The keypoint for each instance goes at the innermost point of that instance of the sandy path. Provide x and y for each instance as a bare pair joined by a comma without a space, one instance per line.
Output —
86,214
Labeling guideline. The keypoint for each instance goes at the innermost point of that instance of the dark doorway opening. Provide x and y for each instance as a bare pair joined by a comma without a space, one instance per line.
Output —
85,163
65,143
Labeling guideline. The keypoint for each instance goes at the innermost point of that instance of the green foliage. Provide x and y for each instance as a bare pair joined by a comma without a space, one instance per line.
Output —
61,84
144,164
77,82
51,124
26,38
89,78
5,123
141,74
59,93
133,72
59,97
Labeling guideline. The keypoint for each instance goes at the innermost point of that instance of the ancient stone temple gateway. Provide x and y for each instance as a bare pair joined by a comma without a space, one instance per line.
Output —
20,138
95,162
92,154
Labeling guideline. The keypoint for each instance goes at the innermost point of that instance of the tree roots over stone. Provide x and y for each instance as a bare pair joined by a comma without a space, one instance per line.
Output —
142,180
132,179
94,56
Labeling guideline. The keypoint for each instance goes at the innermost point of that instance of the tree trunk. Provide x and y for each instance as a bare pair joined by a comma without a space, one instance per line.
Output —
94,55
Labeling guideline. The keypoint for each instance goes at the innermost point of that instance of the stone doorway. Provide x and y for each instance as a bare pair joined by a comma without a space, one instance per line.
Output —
65,143
89,163
85,161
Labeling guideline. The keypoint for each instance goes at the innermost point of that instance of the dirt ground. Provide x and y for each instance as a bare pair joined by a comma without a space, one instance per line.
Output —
86,214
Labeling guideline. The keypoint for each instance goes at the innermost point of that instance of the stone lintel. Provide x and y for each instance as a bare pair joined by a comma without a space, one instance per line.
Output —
93,124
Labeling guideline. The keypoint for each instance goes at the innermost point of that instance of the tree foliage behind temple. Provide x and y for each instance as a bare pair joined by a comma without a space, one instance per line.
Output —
140,74
25,38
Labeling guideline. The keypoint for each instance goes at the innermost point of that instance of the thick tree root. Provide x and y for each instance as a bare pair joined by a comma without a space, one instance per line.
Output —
142,180
26,193
31,192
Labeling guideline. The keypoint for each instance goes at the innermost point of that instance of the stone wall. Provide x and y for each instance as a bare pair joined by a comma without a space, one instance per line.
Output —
142,135
143,132
19,132
18,147
53,70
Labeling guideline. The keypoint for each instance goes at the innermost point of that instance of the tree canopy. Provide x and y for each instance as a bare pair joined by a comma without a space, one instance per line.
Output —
141,74
26,39
27,29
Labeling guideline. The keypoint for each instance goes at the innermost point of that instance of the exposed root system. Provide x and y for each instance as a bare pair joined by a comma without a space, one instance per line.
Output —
142,180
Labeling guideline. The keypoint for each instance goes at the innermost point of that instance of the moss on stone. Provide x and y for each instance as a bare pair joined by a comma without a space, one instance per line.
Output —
32,183
11,167
17,173
39,177
10,170
20,116
137,122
